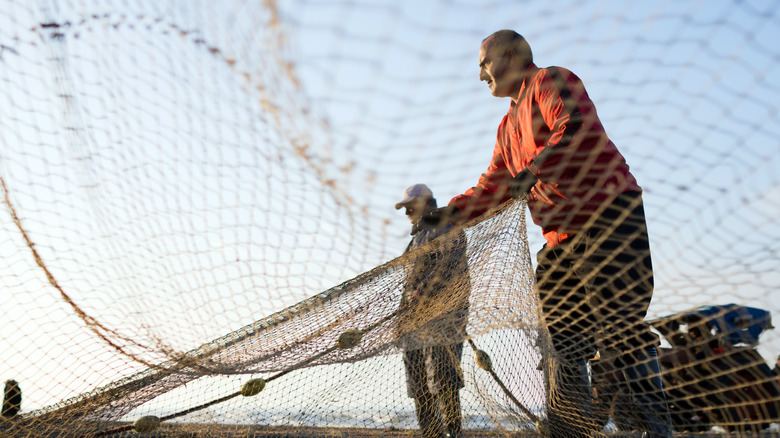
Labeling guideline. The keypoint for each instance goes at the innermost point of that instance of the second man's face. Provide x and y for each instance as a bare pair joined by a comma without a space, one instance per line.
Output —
415,209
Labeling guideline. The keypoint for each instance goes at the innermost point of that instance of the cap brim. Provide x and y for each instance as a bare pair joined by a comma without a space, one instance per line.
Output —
405,202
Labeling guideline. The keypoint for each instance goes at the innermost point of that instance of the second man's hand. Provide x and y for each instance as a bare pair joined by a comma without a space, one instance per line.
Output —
439,216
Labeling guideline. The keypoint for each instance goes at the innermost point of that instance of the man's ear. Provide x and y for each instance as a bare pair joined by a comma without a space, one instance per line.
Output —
513,56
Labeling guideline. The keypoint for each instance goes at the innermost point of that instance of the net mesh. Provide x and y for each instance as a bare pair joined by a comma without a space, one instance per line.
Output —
198,202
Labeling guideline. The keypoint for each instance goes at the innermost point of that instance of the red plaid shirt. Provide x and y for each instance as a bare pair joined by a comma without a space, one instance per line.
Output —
554,131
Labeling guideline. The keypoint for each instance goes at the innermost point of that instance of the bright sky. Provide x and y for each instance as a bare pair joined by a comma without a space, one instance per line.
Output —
182,186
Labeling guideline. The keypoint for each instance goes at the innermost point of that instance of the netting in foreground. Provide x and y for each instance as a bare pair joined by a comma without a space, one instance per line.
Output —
334,359
173,172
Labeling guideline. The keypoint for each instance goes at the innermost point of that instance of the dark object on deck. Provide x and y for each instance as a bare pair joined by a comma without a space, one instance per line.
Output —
712,373
12,399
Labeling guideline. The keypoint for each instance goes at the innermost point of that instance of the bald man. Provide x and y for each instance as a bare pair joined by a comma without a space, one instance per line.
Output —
594,275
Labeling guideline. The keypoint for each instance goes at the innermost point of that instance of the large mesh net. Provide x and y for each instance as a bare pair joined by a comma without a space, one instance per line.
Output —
199,235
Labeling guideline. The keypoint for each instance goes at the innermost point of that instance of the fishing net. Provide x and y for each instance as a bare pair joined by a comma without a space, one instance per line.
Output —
198,235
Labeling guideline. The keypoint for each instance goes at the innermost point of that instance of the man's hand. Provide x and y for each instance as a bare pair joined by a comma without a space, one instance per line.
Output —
438,217
521,184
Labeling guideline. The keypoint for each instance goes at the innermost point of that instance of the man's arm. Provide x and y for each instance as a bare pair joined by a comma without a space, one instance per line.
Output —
559,98
562,118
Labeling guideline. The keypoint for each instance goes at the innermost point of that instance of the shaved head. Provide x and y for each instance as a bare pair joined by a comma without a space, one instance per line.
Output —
511,41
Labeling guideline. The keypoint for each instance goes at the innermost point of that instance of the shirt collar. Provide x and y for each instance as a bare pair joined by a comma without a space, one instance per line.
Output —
528,72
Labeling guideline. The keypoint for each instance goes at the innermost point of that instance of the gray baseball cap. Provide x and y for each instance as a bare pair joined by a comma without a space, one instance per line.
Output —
414,192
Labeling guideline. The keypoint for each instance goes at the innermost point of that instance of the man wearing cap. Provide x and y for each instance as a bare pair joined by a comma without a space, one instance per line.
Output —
433,315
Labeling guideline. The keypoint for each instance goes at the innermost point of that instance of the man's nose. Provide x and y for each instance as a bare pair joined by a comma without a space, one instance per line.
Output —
482,75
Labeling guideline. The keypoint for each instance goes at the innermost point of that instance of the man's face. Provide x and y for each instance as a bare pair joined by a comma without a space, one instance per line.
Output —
415,209
495,68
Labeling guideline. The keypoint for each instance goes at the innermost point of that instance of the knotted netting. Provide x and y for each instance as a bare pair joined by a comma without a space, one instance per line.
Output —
333,359
198,235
